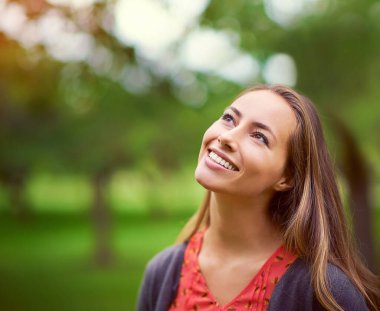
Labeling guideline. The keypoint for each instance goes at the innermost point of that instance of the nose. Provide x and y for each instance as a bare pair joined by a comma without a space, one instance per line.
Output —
227,141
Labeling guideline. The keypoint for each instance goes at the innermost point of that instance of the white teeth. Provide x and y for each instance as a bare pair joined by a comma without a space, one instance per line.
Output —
221,161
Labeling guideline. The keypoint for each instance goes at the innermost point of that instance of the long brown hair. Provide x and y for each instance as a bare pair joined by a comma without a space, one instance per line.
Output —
310,214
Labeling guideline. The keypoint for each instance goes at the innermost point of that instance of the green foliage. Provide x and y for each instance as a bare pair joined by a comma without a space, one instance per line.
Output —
65,117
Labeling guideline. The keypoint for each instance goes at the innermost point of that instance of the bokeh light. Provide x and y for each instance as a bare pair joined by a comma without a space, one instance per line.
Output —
280,68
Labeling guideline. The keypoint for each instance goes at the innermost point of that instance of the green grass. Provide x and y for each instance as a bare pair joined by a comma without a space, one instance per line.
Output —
47,264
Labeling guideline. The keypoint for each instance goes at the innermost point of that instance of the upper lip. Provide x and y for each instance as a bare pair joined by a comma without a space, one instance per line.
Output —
224,156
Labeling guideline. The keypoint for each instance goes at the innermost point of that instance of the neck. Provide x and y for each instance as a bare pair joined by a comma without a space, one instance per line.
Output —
241,226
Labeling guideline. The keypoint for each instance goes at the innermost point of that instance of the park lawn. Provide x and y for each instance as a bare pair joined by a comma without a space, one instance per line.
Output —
46,264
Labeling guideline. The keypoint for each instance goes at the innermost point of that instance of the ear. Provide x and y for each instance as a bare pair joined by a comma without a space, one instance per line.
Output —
284,184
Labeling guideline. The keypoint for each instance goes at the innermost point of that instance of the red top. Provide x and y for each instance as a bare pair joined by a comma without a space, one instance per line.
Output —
193,293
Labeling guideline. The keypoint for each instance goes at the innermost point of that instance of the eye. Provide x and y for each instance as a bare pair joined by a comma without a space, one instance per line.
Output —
261,137
228,118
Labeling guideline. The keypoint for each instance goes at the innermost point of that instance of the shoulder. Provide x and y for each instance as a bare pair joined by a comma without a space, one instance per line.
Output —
345,293
160,279
169,258
295,289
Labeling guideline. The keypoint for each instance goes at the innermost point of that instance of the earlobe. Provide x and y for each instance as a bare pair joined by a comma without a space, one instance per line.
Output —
284,184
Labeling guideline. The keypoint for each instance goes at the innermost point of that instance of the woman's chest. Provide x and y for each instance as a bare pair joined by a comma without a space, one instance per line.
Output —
229,285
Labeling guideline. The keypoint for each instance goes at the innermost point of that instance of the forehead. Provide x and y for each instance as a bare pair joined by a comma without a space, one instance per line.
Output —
267,107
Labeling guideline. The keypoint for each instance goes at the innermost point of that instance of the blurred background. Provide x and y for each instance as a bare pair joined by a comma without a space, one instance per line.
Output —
102,108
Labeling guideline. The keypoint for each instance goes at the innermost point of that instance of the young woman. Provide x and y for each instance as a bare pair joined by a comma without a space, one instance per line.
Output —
271,233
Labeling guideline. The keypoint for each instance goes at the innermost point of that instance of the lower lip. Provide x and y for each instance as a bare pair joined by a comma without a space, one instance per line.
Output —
215,166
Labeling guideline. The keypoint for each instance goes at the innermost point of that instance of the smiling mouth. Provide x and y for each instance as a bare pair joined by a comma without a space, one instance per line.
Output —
222,162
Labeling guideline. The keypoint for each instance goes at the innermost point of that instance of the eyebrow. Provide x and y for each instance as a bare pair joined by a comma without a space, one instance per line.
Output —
254,123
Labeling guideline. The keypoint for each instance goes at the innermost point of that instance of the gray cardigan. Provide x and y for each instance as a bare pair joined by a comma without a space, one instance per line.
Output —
294,291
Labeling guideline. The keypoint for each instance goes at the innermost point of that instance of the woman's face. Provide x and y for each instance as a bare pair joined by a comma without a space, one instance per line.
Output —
245,151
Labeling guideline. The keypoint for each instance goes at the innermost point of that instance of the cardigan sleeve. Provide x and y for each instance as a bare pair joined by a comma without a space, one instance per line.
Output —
295,291
160,280
146,288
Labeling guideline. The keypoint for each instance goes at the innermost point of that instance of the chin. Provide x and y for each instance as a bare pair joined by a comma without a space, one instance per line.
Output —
206,182
203,180
199,176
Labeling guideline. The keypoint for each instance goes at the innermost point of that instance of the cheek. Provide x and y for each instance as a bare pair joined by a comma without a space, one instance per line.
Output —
210,134
266,167
205,140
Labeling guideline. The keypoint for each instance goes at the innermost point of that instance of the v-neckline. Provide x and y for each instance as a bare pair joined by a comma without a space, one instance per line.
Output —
262,269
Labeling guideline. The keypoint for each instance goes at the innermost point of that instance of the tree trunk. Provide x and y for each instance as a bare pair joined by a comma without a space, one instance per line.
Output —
15,182
354,167
101,221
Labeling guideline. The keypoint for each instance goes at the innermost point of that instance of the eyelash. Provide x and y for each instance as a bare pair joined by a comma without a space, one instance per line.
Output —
262,136
228,118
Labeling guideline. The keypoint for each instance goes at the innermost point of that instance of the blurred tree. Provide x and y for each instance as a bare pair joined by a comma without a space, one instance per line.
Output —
117,107
27,116
354,167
